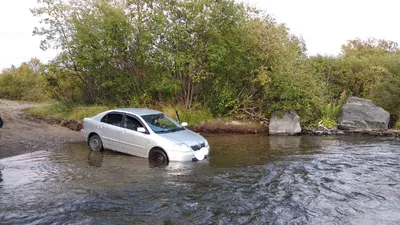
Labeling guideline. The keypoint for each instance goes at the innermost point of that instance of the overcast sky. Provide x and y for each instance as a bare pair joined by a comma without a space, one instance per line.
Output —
324,25
17,44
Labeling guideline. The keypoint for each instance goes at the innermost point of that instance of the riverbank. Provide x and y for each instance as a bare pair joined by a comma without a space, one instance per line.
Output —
200,121
333,132
25,132
20,134
218,126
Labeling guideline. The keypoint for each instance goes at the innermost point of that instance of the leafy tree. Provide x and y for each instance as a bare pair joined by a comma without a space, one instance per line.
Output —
369,47
25,82
217,54
386,93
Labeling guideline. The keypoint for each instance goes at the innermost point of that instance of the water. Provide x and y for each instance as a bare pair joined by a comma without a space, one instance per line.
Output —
247,180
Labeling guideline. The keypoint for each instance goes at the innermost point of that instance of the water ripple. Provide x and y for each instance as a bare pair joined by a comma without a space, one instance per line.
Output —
248,180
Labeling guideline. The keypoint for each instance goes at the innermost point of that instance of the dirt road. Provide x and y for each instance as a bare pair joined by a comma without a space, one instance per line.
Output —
19,135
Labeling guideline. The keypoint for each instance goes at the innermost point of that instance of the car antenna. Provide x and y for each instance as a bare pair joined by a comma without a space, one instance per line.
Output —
177,116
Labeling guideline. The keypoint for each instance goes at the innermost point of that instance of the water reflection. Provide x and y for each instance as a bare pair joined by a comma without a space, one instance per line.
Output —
95,158
1,178
245,150
282,143
247,180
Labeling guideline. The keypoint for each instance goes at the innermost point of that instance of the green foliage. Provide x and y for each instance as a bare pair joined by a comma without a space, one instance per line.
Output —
397,125
368,69
67,110
330,114
369,47
24,83
220,55
386,93
192,116
175,51
63,84
223,98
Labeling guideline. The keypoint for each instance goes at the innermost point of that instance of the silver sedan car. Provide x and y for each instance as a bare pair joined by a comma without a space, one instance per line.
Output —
144,133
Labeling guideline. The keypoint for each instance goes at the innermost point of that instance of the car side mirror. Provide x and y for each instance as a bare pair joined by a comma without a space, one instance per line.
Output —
184,124
141,130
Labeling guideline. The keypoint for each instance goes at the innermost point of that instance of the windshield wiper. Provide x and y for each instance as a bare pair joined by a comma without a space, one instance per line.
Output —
177,129
163,131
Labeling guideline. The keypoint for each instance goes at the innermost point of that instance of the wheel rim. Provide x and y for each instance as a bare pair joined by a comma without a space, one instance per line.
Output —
159,158
94,143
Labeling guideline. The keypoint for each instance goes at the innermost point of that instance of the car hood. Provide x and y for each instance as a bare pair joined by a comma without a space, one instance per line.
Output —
187,137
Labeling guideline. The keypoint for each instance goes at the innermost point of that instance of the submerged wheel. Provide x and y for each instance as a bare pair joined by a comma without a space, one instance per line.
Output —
158,156
95,143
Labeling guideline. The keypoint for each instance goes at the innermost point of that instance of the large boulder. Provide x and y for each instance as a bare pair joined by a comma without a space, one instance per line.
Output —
72,124
362,114
286,124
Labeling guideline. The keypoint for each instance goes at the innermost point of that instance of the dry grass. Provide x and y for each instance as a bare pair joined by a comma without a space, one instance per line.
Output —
191,116
62,111
78,112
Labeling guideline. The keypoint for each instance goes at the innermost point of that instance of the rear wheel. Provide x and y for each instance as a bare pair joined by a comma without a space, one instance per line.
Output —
95,143
158,156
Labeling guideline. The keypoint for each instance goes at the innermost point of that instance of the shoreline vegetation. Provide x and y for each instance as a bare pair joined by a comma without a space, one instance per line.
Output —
222,63
72,119
198,120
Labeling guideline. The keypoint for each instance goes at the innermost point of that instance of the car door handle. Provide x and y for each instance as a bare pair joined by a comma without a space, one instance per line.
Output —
123,131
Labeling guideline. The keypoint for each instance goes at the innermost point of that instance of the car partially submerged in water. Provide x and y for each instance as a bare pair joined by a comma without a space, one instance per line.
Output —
144,133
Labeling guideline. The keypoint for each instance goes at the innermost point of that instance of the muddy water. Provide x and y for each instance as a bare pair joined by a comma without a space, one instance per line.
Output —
247,180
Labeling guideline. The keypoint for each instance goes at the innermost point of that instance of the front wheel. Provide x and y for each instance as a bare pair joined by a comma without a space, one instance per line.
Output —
95,143
158,156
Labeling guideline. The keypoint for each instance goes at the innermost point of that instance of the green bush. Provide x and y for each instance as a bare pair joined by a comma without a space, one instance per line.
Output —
397,125
23,83
67,111
330,114
191,116
220,54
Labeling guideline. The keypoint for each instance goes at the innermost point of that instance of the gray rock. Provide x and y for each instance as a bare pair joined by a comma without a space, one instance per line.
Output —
339,132
288,124
362,114
72,124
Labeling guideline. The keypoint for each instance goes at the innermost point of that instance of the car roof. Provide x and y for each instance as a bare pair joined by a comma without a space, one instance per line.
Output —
138,111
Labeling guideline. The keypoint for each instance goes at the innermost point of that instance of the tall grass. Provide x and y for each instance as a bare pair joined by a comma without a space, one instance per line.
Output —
67,111
191,116
397,125
330,114
78,112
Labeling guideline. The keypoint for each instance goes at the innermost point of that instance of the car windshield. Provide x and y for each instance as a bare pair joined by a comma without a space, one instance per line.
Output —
161,123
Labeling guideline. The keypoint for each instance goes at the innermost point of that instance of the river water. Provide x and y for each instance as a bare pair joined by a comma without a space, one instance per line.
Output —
247,180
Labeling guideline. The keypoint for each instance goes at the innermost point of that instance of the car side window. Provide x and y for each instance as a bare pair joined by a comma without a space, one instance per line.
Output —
131,123
104,119
114,119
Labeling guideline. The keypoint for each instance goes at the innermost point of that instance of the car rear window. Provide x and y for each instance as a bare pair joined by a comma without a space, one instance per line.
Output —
113,119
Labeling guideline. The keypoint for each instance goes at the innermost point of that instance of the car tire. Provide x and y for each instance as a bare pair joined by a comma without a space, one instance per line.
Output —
158,156
95,143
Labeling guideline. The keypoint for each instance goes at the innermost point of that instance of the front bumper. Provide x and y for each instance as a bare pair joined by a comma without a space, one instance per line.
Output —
177,156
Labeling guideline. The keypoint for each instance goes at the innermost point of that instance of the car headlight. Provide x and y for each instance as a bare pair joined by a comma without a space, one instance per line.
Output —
181,148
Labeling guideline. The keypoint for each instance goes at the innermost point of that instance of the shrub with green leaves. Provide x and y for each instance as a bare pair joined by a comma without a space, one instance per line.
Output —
330,114
25,82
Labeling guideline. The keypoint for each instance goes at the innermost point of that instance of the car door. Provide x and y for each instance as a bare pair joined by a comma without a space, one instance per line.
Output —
134,142
110,130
